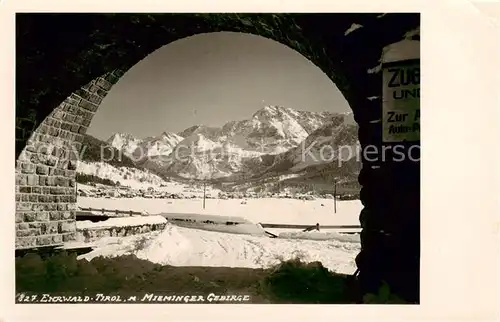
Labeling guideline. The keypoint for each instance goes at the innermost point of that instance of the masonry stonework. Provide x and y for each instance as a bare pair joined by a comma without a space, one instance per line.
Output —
46,168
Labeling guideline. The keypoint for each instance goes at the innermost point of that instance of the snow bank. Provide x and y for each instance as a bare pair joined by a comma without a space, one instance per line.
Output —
121,222
247,229
316,235
205,217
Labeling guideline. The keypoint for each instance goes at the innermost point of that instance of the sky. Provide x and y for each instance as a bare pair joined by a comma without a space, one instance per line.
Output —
212,79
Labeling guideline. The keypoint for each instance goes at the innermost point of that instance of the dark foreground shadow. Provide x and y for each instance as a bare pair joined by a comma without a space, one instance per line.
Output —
127,277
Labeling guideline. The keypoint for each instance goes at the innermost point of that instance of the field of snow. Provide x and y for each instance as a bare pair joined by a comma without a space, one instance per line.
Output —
263,210
179,246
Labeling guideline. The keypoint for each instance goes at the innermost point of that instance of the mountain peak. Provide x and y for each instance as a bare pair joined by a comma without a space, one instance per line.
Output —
166,134
270,111
120,136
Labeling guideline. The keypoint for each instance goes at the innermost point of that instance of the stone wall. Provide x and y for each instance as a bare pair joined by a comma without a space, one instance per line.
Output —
46,168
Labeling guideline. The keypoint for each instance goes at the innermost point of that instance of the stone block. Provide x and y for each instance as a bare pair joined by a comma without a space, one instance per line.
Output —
70,118
29,216
88,105
68,215
112,78
44,240
51,228
32,180
37,207
86,122
43,199
55,215
95,99
22,226
82,129
27,233
27,168
69,237
93,88
51,207
75,128
42,129
24,189
102,93
57,239
21,179
26,242
51,161
42,170
53,131
23,206
50,181
104,84
61,182
57,114
79,138
19,217
67,226
118,73
74,98
66,126
30,147
63,165
83,92
56,151
42,216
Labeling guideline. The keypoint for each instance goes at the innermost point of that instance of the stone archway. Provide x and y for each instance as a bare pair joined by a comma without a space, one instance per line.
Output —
67,63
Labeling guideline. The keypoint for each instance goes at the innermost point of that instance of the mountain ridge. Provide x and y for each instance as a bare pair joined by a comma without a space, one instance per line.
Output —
265,144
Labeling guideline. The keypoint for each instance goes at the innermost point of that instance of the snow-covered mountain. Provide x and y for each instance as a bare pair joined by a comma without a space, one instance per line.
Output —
141,148
238,148
124,142
160,145
135,178
333,142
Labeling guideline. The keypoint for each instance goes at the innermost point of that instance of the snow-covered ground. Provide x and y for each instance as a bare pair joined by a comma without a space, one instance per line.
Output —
180,246
259,210
244,245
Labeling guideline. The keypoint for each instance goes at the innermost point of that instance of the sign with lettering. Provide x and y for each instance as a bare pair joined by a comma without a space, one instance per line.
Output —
401,101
